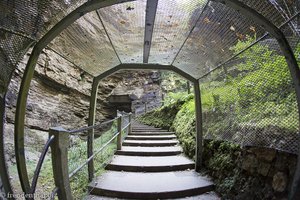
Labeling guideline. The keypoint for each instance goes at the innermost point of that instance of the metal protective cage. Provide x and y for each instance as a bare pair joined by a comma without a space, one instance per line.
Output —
197,39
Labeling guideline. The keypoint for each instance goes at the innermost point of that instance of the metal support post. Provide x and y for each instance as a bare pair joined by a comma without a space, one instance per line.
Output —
59,151
130,123
199,128
119,138
90,140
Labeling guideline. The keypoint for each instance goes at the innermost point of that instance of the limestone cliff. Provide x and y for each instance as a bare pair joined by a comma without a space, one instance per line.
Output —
59,96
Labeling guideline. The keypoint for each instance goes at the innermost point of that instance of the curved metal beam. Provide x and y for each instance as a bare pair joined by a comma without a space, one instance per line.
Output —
28,75
135,66
159,67
197,93
106,73
290,59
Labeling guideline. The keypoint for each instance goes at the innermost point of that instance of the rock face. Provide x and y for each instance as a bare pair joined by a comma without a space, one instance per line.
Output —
59,96
59,93
132,94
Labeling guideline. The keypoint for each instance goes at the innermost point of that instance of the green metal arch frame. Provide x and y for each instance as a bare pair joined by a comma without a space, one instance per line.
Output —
91,6
198,113
4,176
290,59
28,75
134,66
93,102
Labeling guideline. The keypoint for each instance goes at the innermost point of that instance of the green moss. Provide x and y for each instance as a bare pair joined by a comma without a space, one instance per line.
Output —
184,127
220,162
164,116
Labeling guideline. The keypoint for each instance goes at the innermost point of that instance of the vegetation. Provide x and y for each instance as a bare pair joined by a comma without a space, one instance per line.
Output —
77,155
172,83
259,92
220,158
164,116
256,93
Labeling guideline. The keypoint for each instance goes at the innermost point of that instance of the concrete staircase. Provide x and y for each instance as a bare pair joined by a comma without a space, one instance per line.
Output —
151,166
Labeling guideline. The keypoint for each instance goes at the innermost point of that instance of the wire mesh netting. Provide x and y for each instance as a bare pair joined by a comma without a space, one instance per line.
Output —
251,100
125,24
34,18
276,11
22,22
218,29
173,22
86,44
12,49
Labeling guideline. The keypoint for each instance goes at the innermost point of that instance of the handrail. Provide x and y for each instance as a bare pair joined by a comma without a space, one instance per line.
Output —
60,153
91,157
125,127
124,114
53,193
39,165
91,127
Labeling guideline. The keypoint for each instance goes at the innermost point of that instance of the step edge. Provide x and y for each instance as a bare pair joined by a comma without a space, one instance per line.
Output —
151,195
150,144
138,168
144,153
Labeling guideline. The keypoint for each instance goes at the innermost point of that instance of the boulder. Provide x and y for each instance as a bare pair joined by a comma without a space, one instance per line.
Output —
280,181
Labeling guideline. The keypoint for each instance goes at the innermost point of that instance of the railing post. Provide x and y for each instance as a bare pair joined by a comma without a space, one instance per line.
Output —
129,121
119,138
199,128
188,87
90,139
59,152
146,107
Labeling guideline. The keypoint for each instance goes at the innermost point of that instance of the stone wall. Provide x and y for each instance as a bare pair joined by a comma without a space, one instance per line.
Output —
249,173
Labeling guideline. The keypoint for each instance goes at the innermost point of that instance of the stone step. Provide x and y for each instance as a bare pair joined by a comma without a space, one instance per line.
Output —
150,143
151,137
150,151
151,133
148,130
206,196
144,126
158,185
150,164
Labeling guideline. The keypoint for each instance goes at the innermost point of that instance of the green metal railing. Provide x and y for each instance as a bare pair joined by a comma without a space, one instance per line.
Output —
59,139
